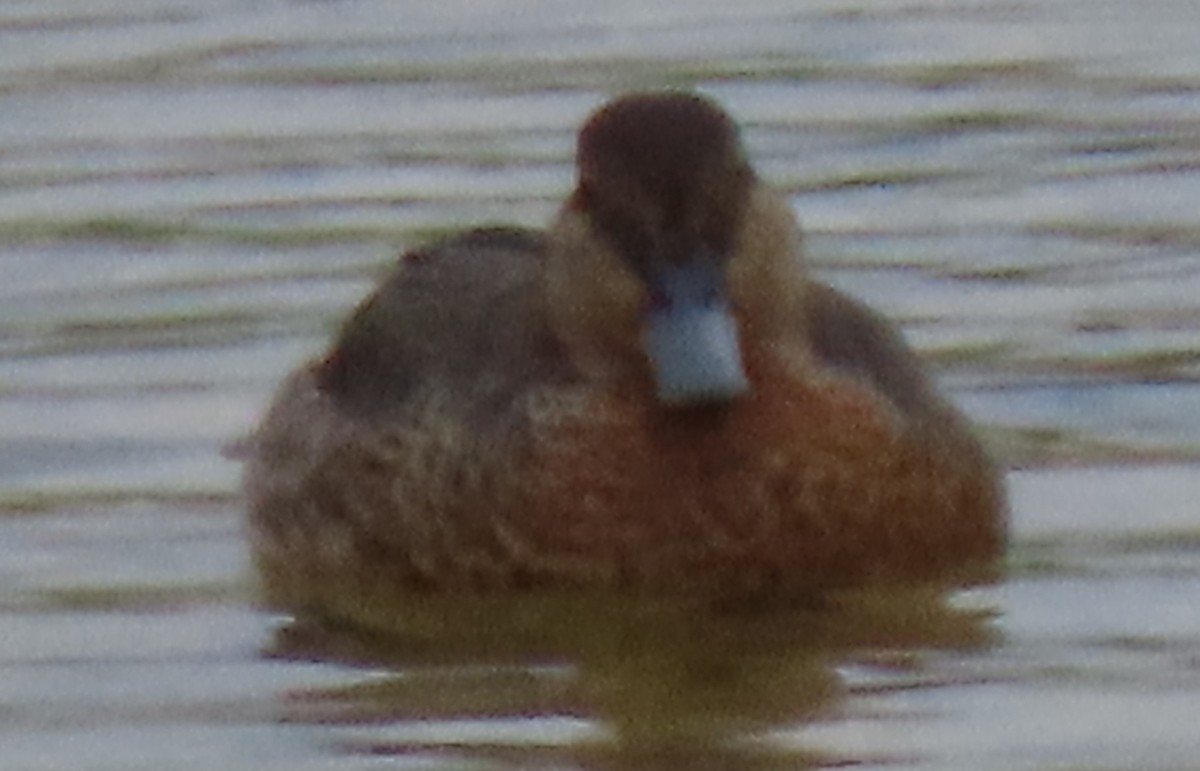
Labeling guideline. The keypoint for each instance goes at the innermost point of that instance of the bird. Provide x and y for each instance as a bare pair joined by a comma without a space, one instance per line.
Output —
650,397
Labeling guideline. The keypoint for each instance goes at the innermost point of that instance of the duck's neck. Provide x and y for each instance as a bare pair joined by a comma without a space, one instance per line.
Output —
768,279
595,305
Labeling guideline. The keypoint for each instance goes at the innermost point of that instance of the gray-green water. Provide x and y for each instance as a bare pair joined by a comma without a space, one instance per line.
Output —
192,192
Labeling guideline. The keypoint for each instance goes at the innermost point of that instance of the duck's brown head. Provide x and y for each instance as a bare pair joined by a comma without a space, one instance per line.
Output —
657,257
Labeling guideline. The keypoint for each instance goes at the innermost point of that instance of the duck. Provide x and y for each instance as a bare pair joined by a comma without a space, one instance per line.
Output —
650,397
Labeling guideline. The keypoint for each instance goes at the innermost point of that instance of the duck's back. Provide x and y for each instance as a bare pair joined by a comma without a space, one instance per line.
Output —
464,316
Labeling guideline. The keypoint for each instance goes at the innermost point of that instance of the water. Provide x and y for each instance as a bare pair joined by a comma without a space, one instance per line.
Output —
192,193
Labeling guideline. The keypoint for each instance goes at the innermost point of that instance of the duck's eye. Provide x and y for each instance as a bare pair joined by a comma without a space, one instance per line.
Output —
625,233
659,300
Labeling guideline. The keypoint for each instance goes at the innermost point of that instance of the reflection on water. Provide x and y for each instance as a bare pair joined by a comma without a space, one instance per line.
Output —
613,685
191,193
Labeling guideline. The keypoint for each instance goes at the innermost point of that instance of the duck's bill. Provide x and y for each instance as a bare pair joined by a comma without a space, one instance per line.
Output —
691,339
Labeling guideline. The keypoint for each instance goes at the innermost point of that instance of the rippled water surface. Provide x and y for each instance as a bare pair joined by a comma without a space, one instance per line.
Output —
192,193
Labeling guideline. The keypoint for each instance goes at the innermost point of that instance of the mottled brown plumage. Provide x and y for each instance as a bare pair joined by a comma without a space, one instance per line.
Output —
488,420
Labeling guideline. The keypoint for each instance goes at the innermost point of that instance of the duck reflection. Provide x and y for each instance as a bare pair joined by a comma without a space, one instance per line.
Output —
606,684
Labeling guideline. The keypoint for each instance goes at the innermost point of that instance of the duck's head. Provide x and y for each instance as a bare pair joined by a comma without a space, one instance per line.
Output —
669,253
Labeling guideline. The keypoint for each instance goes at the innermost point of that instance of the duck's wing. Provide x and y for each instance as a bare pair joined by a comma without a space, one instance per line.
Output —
852,338
465,315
